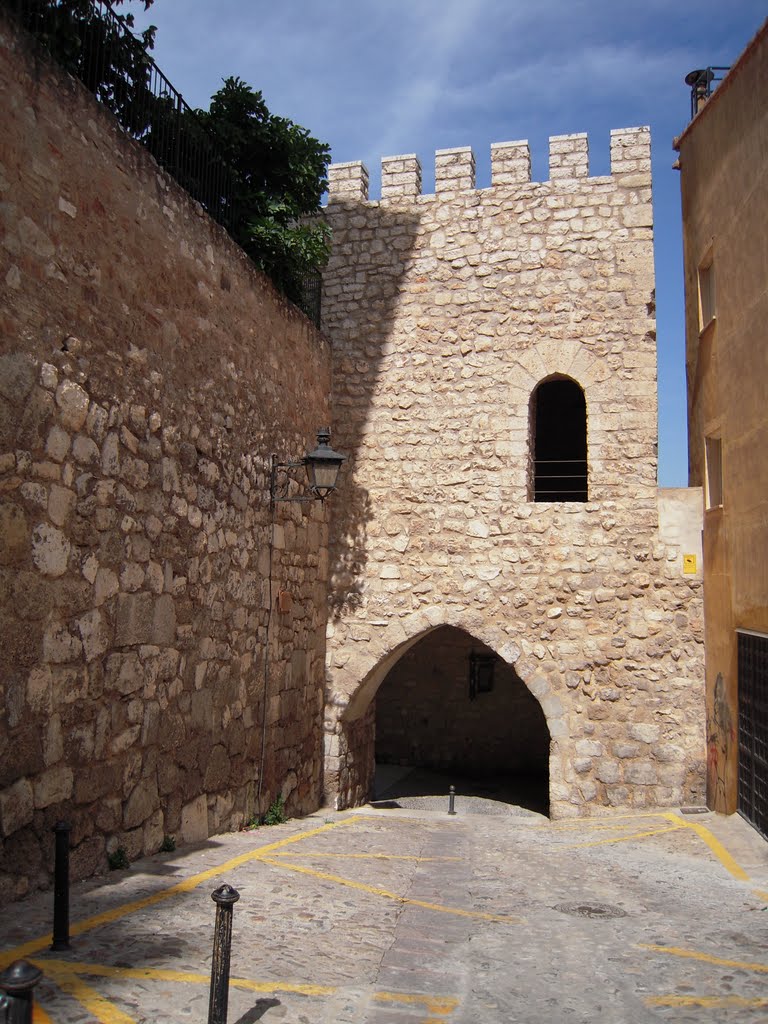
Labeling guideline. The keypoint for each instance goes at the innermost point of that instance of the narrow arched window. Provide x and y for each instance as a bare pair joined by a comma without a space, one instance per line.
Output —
559,441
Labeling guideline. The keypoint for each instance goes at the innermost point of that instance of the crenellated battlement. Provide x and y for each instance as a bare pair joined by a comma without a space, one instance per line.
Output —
510,165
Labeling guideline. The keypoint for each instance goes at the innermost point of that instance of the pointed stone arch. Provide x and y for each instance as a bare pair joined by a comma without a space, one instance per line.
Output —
352,688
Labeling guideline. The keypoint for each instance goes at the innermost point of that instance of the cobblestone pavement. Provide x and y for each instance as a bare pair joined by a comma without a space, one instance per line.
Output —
415,917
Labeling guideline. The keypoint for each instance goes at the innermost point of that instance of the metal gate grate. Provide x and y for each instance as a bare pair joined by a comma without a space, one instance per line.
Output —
753,730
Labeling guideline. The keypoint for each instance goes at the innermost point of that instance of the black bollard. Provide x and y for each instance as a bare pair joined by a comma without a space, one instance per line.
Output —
225,897
18,981
61,887
451,800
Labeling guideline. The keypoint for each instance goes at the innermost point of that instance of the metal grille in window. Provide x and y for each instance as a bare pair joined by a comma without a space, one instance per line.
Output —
753,729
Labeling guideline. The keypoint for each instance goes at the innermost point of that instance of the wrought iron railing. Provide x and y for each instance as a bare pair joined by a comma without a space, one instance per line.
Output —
560,480
703,82
311,291
91,41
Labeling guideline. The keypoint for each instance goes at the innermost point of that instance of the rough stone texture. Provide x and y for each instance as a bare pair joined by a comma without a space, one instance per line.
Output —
147,372
446,311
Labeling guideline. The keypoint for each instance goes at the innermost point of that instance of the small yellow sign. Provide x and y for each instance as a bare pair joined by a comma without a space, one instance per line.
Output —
689,564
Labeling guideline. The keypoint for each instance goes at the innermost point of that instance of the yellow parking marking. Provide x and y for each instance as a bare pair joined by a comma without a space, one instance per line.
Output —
760,894
66,975
442,1006
715,846
692,954
184,977
605,823
28,949
98,1007
708,1002
338,880
362,856
676,822
623,839
39,1016
602,822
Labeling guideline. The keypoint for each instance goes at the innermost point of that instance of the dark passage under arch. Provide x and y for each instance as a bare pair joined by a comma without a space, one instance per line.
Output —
452,706
559,443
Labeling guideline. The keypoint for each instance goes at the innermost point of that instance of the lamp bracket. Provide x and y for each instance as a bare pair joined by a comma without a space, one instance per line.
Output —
322,467
278,487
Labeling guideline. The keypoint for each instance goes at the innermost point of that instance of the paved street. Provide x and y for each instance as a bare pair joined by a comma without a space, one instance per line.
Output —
410,917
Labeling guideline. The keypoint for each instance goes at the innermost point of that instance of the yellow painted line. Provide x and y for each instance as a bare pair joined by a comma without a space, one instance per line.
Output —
760,894
28,949
479,915
182,977
39,1016
601,822
692,954
443,1006
708,1002
98,1007
728,862
622,839
363,856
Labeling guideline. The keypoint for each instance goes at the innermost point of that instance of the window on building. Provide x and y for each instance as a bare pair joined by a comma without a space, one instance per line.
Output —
706,292
713,454
559,441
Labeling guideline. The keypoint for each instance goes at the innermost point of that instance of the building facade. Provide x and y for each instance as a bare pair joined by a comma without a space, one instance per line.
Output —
495,386
724,180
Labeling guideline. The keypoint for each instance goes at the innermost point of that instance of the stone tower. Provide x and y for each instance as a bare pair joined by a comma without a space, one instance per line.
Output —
495,387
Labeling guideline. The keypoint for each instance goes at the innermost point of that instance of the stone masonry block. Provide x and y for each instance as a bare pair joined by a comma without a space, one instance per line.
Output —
510,163
400,176
568,156
194,820
631,154
134,618
348,181
17,806
144,619
454,169
54,786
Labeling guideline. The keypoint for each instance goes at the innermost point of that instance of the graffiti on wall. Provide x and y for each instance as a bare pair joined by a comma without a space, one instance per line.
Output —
721,741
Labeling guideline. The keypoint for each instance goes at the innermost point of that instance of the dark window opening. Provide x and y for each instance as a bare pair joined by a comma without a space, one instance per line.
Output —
559,421
481,668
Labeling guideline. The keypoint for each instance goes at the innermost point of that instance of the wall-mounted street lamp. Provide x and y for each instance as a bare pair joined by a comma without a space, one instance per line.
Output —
322,467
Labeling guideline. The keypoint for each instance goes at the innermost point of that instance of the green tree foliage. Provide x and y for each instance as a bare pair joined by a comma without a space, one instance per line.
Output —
260,175
92,45
280,176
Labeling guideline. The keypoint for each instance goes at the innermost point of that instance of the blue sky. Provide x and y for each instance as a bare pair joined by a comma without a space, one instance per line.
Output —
379,78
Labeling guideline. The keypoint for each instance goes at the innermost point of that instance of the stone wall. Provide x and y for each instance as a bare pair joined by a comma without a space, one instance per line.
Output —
147,371
445,312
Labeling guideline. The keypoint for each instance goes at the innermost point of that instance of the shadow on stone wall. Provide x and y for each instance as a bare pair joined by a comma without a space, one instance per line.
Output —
360,308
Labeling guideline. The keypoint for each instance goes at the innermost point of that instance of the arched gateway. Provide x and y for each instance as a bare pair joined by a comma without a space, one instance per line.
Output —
429,702
451,706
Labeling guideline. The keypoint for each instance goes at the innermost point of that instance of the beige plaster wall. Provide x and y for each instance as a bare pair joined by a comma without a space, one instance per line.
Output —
724,181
